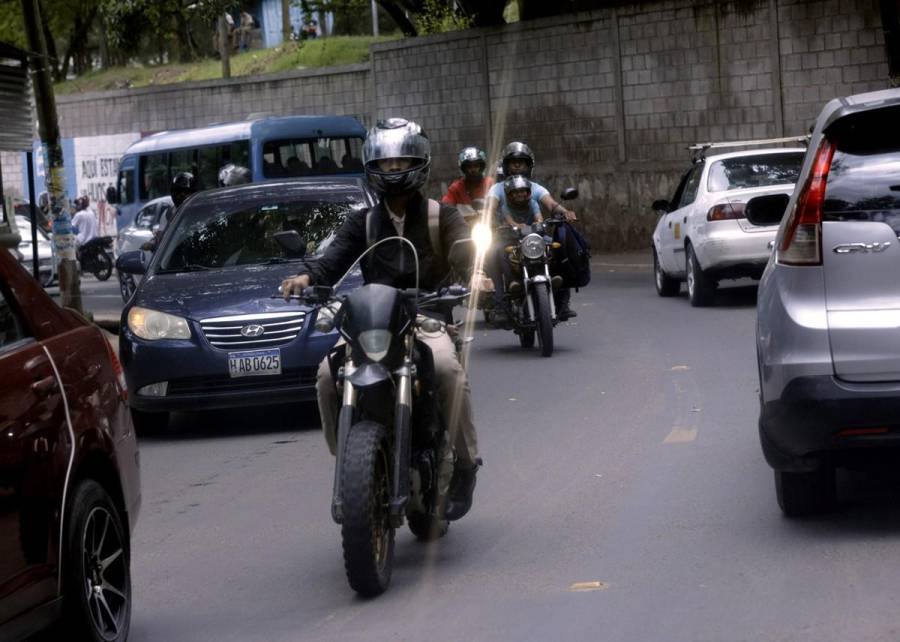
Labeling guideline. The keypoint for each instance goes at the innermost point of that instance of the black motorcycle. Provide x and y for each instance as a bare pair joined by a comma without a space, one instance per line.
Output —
95,257
394,457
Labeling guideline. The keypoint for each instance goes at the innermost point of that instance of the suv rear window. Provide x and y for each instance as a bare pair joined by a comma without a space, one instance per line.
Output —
754,171
864,180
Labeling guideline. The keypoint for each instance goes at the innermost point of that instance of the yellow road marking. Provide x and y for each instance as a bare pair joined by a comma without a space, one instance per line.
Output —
681,435
588,586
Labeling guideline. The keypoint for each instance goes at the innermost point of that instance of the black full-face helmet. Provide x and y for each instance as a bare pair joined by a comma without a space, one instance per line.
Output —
521,151
396,138
516,182
183,185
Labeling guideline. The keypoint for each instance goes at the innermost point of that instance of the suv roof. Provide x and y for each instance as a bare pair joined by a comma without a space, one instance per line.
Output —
841,107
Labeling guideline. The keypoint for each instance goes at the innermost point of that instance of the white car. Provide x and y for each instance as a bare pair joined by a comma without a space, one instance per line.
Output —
44,250
703,235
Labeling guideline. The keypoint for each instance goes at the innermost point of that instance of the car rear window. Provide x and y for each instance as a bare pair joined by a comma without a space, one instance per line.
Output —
223,233
754,171
864,180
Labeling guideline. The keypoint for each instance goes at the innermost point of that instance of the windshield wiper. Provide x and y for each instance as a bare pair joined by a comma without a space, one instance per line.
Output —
275,260
190,267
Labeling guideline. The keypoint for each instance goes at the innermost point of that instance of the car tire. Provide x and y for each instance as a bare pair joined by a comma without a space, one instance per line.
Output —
807,493
97,574
149,423
665,285
701,289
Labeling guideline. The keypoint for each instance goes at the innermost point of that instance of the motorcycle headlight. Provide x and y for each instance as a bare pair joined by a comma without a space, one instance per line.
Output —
533,246
152,325
375,343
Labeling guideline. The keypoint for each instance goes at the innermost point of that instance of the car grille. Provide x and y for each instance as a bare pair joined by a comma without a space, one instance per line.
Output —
278,328
221,384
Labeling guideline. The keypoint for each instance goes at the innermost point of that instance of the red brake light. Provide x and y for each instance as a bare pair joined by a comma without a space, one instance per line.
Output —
117,370
725,211
802,240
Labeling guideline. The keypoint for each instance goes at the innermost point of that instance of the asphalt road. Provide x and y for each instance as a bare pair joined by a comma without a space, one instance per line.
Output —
624,497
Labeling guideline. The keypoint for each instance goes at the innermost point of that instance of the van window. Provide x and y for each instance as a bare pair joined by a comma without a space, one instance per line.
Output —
182,160
212,158
126,186
154,170
311,156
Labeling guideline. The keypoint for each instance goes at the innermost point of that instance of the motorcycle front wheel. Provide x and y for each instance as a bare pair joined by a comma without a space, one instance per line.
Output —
542,317
366,531
102,266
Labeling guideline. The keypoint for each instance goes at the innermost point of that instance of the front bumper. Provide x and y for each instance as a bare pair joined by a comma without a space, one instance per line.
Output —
802,429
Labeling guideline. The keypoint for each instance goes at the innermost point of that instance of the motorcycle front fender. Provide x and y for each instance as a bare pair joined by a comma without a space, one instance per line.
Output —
369,374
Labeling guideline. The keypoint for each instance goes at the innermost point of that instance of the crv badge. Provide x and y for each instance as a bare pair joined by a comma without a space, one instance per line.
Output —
861,248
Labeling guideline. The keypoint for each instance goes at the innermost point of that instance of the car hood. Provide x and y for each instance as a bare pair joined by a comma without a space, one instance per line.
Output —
225,292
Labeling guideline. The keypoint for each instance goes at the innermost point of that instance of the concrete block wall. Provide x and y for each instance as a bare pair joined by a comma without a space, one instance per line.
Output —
608,100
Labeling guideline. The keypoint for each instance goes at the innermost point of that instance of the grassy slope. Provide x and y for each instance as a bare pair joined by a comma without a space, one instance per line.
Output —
324,52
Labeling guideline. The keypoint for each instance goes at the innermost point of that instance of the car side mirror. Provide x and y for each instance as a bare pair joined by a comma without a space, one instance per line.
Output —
112,195
291,242
569,194
766,210
131,262
661,205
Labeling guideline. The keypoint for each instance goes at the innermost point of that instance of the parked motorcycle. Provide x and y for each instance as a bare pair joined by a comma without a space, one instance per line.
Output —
394,457
95,257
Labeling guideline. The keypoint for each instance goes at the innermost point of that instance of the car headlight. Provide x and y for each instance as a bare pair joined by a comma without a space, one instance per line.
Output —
533,246
152,325
375,343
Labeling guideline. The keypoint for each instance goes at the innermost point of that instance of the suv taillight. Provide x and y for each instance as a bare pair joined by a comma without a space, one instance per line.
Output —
725,211
802,240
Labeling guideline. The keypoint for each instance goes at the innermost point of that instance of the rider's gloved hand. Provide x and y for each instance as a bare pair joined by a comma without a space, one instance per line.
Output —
295,285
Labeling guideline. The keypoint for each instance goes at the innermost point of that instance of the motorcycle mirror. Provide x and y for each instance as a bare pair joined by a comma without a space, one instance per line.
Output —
570,193
291,242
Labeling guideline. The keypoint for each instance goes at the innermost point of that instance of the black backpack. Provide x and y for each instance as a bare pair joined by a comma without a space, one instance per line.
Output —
573,258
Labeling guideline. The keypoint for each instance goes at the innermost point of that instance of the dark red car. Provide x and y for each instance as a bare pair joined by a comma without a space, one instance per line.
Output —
69,470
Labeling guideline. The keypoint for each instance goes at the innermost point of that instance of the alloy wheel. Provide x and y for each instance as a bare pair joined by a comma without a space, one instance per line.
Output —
105,574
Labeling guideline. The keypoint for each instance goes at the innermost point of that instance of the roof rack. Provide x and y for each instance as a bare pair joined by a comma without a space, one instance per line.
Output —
698,151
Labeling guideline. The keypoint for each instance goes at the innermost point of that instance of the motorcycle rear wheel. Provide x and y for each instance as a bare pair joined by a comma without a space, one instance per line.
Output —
102,266
366,532
544,322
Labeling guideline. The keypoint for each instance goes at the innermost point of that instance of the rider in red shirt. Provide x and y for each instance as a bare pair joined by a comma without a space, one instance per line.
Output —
473,184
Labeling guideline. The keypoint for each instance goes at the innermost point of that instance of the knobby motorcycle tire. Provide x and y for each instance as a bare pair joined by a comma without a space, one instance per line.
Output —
366,533
543,319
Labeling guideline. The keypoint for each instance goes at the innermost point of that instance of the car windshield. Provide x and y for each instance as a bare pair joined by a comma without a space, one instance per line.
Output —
227,231
758,170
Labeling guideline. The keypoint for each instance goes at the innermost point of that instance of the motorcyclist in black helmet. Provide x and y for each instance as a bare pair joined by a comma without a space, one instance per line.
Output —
518,159
397,157
183,186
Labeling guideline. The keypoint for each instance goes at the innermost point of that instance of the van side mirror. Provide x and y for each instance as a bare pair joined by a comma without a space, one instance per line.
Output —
112,195
661,205
766,210
569,194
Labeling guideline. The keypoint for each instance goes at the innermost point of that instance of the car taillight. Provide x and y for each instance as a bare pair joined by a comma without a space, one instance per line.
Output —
802,240
725,211
117,369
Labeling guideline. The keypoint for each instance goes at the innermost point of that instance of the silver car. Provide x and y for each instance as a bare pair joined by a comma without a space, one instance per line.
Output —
138,232
703,236
828,328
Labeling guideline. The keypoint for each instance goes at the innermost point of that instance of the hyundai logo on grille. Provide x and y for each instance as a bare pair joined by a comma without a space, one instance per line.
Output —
253,330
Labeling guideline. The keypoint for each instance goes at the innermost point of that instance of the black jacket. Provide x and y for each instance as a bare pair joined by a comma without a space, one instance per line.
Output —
391,263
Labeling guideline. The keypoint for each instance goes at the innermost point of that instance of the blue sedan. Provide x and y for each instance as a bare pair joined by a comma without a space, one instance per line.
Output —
205,329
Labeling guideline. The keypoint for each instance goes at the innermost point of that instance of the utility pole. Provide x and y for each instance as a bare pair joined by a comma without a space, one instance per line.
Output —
286,21
224,46
48,125
374,18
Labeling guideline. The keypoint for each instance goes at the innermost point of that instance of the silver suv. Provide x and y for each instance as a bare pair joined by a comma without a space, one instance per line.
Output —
828,315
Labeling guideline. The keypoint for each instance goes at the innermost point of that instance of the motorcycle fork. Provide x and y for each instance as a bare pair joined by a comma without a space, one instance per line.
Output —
526,282
402,436
345,421
550,292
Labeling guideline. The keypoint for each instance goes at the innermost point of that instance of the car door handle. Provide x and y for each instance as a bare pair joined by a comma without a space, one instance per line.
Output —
45,387
670,225
770,245
36,362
